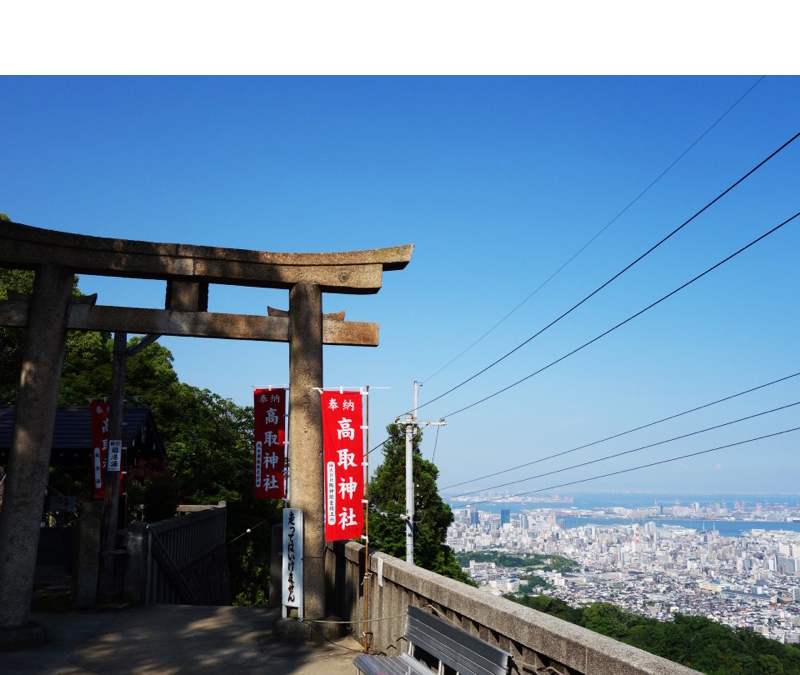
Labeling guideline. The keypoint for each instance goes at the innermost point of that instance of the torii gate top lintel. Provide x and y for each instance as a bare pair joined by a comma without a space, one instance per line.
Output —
354,272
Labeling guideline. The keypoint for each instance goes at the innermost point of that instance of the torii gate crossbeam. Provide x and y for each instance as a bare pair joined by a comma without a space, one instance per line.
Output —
188,270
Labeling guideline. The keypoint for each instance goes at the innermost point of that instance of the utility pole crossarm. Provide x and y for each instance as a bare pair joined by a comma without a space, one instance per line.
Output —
410,422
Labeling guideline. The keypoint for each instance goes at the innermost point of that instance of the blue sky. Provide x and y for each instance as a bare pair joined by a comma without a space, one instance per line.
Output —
497,181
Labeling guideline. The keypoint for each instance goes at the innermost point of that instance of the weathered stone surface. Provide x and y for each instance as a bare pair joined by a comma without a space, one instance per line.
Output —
87,554
195,324
305,437
13,313
29,457
187,295
343,272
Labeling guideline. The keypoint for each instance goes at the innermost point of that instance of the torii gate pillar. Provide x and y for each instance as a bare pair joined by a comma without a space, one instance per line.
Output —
305,437
33,436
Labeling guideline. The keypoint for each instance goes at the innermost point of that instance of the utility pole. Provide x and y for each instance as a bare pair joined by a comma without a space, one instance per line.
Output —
411,423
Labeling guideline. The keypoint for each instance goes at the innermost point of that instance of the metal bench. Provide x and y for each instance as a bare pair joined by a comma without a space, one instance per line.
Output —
453,648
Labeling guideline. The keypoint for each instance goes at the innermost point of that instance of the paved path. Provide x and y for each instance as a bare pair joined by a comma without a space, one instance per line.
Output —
170,639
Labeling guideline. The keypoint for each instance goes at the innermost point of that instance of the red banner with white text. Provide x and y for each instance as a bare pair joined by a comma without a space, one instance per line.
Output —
343,464
98,414
269,460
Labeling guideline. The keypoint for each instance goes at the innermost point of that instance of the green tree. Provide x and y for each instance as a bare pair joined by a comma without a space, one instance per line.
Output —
387,508
694,641
607,619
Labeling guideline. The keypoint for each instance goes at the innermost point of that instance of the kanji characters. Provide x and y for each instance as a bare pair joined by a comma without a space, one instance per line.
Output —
345,430
346,458
347,488
269,457
347,518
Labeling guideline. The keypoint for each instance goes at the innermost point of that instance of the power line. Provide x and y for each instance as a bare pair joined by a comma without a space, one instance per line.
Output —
617,275
600,231
369,452
435,445
630,318
628,452
624,433
612,329
641,466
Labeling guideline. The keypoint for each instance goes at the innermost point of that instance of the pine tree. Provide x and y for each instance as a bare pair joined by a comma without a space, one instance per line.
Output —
387,508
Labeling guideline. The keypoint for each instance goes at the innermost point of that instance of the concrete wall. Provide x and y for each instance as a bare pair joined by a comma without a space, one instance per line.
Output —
532,638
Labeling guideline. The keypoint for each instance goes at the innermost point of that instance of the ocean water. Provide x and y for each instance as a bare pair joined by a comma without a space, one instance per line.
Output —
726,528
633,500
596,500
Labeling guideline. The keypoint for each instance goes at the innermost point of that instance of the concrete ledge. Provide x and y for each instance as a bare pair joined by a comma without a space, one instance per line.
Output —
22,637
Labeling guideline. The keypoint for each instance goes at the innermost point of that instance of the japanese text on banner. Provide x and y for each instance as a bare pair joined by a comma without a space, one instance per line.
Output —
343,471
269,456
98,415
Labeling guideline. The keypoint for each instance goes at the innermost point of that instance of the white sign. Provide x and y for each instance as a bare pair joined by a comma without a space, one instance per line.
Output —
114,455
292,573
331,478
259,458
98,469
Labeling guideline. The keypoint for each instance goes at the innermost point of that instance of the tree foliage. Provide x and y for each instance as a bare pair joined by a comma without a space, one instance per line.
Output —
530,561
387,508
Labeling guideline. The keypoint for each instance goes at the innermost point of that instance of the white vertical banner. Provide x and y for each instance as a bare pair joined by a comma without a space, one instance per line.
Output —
292,572
115,455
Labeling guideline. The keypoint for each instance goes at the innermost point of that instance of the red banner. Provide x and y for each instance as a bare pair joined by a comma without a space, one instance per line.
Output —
269,459
343,465
98,414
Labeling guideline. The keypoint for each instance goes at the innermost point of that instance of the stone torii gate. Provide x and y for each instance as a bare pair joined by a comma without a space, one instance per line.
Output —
188,270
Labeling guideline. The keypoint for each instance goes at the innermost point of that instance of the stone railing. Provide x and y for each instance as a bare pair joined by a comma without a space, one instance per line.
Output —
538,642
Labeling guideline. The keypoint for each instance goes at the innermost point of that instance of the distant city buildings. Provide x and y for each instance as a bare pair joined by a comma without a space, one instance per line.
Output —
652,568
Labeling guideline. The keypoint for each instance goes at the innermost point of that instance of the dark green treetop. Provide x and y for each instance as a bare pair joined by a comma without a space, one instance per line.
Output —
387,508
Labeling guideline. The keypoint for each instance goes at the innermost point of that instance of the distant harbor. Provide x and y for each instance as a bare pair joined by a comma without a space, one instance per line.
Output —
726,528
729,514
